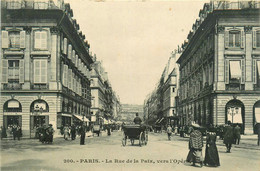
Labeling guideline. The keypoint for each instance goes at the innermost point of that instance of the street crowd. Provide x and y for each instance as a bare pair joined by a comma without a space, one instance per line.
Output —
230,135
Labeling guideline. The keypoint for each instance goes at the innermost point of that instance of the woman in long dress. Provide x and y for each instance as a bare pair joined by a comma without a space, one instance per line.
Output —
211,153
195,146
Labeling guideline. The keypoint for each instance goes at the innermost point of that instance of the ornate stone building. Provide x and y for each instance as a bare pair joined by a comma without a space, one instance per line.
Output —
220,65
45,65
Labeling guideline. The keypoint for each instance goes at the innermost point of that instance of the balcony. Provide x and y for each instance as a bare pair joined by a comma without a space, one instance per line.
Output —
29,4
12,86
40,87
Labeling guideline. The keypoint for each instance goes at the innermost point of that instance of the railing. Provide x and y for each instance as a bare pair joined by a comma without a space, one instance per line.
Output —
30,4
12,86
40,86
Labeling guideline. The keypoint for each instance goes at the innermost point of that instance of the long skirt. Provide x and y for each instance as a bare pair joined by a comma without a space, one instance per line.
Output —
194,156
211,155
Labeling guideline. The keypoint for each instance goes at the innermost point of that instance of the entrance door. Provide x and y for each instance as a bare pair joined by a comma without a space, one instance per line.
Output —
36,122
9,121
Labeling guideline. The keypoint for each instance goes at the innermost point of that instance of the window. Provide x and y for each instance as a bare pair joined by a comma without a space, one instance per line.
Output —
13,39
13,70
65,76
40,71
234,39
256,38
235,71
256,73
40,40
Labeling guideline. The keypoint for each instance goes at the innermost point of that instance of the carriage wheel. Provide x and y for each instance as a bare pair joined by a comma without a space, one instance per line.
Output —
141,138
132,141
146,138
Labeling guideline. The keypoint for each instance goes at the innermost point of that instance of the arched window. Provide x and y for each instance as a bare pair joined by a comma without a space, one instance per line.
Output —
39,105
12,106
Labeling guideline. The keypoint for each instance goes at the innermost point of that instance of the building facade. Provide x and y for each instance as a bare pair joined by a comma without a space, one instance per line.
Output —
105,102
219,66
45,65
160,107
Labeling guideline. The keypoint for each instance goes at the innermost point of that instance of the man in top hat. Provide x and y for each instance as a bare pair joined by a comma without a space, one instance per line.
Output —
228,136
137,119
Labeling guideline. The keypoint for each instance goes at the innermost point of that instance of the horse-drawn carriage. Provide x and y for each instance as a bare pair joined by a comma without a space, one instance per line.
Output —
135,132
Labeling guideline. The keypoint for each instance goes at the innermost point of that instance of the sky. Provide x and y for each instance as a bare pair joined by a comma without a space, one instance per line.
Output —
134,40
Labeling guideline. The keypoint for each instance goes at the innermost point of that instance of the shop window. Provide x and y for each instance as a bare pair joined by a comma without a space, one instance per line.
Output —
39,106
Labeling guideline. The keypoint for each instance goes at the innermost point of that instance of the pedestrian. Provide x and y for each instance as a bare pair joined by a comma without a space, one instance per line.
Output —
176,130
49,134
237,130
228,136
14,131
211,152
3,133
66,131
108,130
18,132
169,132
73,132
258,133
195,147
82,131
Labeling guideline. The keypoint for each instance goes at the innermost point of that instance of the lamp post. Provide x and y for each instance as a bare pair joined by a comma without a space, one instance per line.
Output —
37,111
233,111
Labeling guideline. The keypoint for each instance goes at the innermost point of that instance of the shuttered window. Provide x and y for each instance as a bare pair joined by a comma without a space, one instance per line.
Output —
65,45
40,40
4,71
70,51
21,72
69,78
40,71
5,41
65,75
256,38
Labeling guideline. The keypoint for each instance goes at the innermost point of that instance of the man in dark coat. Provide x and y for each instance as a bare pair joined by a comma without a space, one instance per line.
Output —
18,132
237,134
228,136
137,119
73,132
82,131
258,133
49,133
14,131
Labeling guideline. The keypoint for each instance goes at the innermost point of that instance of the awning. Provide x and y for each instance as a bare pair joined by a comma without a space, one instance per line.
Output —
257,114
82,118
235,69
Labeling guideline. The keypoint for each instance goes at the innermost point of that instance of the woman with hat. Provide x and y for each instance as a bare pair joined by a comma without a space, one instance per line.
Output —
211,152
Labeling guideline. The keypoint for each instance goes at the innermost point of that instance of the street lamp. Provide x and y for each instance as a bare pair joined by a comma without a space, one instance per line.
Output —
233,111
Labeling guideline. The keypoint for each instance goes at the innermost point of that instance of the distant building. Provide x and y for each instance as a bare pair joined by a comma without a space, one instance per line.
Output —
128,112
105,104
45,65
